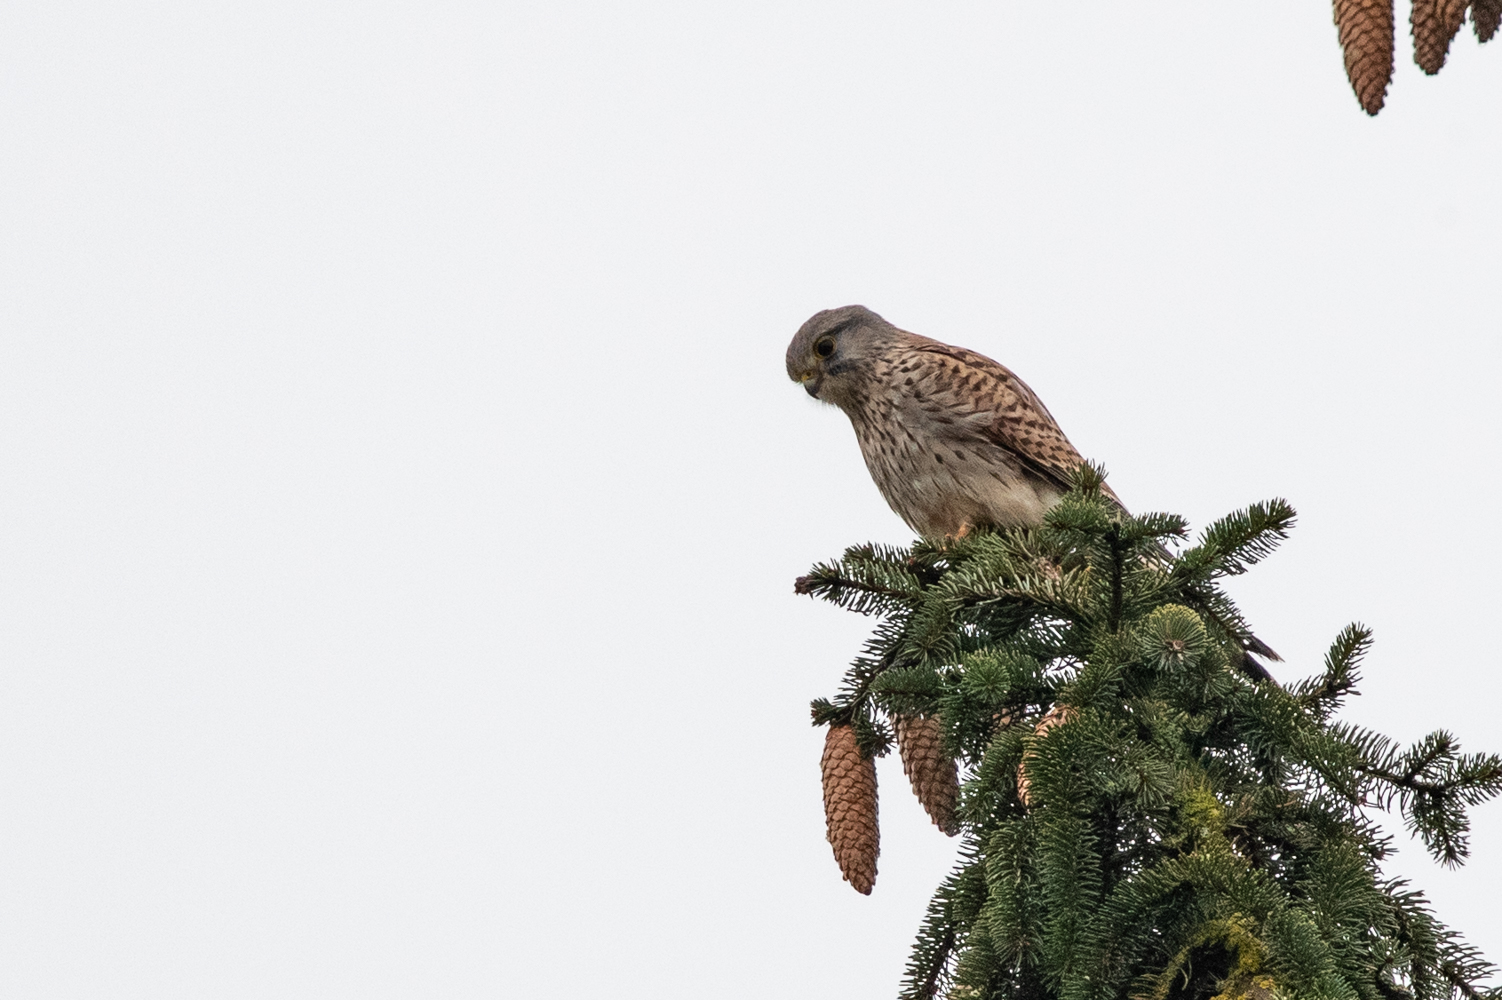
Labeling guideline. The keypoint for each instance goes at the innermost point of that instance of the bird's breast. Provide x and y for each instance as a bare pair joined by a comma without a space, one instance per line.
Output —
939,484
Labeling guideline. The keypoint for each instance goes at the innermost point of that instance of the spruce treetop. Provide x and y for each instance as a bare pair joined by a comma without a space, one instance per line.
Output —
1144,813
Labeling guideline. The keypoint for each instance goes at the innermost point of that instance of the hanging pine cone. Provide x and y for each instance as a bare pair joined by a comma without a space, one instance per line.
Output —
850,807
1056,716
935,780
1485,16
1435,23
1366,35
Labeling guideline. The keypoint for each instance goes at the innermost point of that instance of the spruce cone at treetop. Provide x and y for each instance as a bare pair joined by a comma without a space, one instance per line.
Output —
850,807
1485,16
936,782
1057,716
1435,23
1366,35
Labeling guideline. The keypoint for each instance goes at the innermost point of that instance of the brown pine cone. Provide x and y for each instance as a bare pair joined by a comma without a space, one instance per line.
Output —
936,781
1485,16
850,807
1435,23
1366,35
1056,716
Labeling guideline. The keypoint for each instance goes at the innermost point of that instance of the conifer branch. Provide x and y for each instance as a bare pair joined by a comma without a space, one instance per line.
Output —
1341,676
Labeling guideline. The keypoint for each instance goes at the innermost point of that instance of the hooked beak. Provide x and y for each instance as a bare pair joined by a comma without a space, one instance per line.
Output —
810,382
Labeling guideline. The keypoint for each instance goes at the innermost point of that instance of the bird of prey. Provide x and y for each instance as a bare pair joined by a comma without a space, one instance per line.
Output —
954,440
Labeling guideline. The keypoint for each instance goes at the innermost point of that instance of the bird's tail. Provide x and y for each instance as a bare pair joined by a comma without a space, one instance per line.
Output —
1256,645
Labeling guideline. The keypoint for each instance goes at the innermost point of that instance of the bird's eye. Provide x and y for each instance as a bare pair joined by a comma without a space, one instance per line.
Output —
825,347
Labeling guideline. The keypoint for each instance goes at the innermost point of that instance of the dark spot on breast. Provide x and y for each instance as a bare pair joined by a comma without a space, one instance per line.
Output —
959,455
909,380
939,458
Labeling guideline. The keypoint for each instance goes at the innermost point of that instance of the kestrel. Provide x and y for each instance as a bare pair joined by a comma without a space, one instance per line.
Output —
954,440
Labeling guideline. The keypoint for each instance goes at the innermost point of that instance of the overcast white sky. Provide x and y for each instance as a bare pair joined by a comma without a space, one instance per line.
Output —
400,489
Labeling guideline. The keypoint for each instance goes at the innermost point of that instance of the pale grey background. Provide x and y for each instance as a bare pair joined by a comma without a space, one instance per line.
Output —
400,490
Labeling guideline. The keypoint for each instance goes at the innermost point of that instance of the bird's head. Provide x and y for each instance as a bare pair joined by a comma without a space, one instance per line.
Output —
832,355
